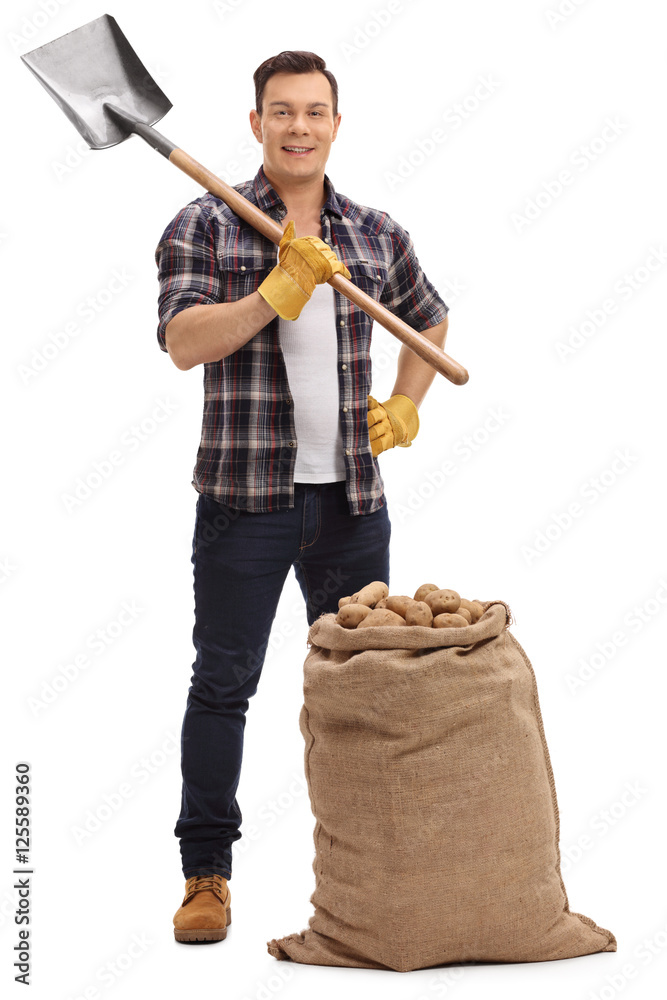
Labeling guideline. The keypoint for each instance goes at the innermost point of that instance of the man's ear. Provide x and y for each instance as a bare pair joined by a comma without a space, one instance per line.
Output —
256,125
336,124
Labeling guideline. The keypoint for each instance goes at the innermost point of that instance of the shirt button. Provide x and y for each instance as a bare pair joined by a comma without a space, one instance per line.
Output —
342,323
347,451
344,367
292,444
345,409
243,267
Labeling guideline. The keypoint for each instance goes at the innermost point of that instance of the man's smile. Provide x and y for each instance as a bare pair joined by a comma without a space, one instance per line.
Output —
298,150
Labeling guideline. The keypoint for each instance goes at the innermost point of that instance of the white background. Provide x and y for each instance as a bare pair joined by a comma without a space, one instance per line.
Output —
593,587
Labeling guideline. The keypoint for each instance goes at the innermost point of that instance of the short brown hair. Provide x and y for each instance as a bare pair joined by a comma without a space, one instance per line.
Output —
292,62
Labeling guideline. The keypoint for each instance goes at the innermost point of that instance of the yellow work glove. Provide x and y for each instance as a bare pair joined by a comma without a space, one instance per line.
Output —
302,264
392,423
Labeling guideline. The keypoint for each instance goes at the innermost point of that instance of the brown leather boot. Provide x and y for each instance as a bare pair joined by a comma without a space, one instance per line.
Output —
205,912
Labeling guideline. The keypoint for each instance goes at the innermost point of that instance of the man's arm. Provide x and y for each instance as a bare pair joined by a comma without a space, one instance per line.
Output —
205,333
414,376
211,331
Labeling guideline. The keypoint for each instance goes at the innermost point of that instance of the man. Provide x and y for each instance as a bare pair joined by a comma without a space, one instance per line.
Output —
287,471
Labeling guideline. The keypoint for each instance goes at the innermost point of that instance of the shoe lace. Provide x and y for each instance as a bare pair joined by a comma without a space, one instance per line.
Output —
198,883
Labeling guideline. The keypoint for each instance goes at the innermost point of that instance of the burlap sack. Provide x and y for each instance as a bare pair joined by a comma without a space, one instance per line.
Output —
437,823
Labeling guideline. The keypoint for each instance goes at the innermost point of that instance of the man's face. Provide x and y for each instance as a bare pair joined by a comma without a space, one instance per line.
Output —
297,126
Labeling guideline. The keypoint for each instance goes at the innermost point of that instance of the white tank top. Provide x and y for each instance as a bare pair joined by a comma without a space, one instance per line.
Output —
310,348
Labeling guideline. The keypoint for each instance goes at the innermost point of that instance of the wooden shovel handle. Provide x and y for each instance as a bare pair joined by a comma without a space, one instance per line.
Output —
416,342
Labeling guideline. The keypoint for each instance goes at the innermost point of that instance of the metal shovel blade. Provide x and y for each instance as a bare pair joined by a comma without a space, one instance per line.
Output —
93,65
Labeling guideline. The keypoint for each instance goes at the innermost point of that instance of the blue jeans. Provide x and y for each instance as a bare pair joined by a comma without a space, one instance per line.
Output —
241,561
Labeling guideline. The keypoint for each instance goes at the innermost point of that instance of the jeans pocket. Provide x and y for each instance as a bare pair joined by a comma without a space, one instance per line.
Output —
213,519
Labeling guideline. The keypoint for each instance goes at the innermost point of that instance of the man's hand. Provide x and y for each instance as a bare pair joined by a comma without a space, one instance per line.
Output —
392,423
302,264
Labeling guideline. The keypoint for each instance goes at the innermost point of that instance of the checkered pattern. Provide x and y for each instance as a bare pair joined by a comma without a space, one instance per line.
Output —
247,452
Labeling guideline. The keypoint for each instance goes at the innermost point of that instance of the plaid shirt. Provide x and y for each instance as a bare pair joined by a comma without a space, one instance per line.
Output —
247,452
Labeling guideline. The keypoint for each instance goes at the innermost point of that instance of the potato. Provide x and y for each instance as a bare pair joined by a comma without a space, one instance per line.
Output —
381,604
344,600
449,621
476,610
443,601
419,613
425,589
350,615
371,594
474,607
382,616
464,613
398,604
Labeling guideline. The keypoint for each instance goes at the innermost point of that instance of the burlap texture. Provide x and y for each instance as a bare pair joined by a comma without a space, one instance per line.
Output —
437,823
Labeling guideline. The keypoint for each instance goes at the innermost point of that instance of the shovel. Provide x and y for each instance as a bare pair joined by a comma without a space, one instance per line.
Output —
96,77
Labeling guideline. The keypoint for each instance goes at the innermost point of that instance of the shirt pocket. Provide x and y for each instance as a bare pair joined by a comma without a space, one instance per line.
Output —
369,276
241,274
